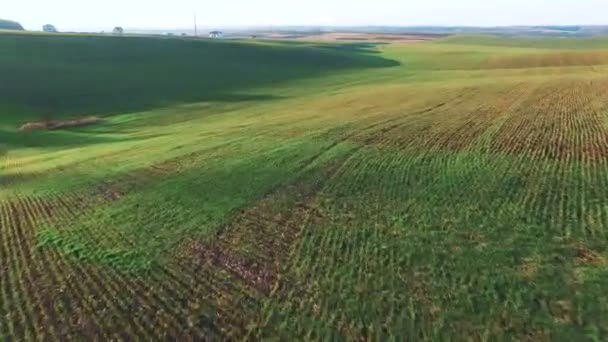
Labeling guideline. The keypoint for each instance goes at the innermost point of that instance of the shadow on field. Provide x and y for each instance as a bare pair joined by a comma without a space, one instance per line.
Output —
63,76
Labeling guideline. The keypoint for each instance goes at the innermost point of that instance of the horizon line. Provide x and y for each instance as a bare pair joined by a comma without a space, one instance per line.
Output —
344,26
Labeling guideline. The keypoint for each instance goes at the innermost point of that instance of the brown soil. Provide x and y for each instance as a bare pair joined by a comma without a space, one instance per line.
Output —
561,121
255,245
332,37
586,256
249,271
58,124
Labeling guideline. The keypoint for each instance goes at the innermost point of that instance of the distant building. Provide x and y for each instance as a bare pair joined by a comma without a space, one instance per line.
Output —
49,28
118,30
216,34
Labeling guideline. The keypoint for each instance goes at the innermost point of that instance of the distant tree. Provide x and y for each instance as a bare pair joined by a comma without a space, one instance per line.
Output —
49,28
10,25
118,30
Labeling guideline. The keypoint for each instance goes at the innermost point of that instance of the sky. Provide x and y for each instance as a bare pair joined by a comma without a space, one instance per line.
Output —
83,14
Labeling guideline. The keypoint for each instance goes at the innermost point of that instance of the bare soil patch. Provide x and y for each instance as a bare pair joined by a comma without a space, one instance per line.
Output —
585,256
48,125
358,37
248,270
255,245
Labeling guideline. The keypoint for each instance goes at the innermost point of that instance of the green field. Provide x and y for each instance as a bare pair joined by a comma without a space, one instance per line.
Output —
449,190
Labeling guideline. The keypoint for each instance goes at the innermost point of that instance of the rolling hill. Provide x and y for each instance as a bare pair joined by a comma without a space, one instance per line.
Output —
447,190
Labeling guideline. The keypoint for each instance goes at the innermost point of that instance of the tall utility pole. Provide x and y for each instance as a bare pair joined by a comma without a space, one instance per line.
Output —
195,26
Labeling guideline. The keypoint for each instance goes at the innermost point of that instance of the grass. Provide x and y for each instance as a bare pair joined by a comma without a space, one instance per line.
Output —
599,42
444,190
108,75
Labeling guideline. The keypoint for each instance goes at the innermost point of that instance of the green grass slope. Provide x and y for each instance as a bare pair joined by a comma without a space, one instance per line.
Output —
66,75
348,192
544,43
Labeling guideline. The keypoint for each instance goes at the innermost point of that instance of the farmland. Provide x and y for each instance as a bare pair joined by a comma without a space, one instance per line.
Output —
453,189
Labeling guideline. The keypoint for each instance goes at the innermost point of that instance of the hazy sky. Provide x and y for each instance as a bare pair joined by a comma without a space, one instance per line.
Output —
74,14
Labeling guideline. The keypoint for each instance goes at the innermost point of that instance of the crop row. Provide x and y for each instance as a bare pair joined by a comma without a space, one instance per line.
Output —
502,235
48,296
213,288
480,215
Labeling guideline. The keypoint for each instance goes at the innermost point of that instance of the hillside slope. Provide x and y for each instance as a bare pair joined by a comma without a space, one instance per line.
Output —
68,75
408,192
599,42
